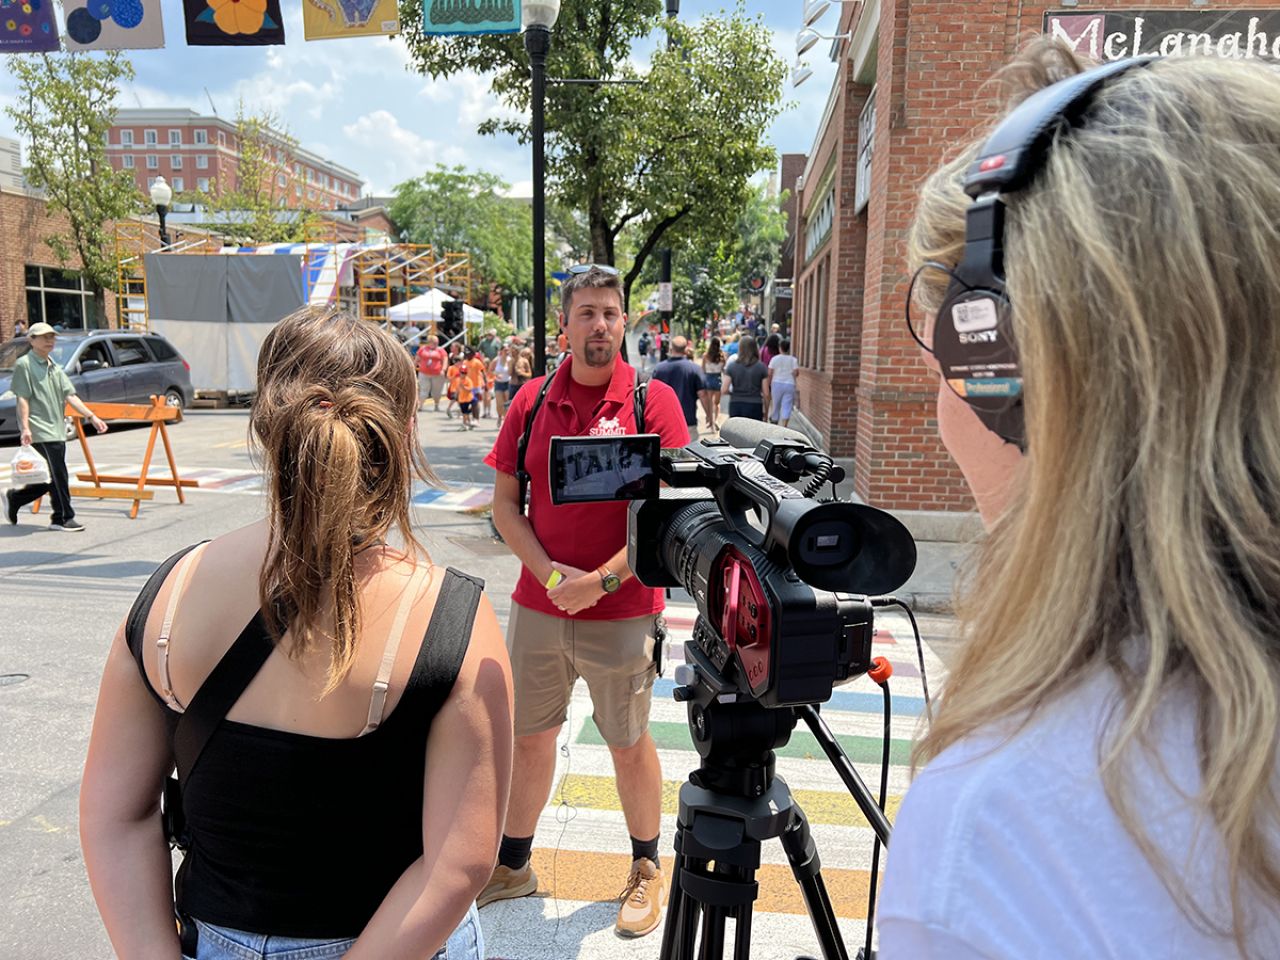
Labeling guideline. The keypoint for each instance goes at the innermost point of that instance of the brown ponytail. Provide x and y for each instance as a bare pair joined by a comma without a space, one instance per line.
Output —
334,418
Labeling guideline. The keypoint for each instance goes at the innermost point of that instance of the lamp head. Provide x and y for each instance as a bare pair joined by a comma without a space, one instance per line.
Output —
806,40
814,10
539,13
161,192
800,73
673,8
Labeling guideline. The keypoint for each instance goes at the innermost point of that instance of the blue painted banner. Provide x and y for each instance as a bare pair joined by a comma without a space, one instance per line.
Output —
470,16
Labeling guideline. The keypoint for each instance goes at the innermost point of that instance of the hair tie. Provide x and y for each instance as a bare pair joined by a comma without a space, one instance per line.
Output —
325,404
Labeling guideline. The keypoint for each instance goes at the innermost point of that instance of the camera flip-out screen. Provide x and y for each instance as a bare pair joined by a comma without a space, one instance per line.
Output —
587,469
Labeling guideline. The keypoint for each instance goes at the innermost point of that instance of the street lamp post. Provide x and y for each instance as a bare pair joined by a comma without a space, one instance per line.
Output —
539,17
161,194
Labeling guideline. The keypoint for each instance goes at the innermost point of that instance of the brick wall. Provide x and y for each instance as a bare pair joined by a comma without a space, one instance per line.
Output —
24,225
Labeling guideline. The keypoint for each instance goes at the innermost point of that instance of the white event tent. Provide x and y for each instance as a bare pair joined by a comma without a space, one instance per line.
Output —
429,308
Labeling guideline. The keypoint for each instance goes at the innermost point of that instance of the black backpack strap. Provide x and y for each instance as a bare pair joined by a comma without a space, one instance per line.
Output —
444,645
522,475
219,693
639,399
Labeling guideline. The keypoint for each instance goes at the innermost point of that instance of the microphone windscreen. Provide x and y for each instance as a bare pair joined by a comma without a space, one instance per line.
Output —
745,433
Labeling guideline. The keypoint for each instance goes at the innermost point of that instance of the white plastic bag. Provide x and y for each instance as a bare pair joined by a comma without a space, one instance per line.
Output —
28,467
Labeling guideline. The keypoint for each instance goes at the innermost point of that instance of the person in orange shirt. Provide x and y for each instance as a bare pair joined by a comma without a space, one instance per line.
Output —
463,390
479,381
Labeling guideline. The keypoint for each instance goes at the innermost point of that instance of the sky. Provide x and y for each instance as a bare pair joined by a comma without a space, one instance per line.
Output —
357,102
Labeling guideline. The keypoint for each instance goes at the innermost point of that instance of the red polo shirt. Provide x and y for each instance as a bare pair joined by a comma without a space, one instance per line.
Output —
584,535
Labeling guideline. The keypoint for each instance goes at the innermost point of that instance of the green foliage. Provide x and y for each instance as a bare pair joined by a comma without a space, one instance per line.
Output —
63,109
673,154
460,211
255,204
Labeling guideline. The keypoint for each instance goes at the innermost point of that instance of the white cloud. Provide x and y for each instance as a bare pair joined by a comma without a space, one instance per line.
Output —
400,153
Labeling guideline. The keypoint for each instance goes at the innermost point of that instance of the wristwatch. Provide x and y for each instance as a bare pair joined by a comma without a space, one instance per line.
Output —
609,581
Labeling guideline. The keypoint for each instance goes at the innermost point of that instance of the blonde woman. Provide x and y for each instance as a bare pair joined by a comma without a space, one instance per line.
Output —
351,801
1100,775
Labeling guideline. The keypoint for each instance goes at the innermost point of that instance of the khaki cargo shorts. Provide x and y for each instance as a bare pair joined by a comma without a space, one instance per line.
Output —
615,657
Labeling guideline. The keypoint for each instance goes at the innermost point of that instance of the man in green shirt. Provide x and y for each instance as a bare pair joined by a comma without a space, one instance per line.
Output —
43,389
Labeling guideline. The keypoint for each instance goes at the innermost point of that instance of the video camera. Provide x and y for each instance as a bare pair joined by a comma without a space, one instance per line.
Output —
780,580
786,588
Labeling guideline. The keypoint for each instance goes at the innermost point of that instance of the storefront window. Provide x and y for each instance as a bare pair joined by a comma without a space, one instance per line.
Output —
58,297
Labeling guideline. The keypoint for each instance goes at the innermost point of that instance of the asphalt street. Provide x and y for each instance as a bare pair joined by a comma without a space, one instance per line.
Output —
63,595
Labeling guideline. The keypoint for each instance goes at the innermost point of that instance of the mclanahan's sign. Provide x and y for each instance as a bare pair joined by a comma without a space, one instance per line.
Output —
1114,35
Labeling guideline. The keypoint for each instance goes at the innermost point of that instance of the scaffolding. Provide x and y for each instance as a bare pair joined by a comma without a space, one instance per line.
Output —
390,273
134,240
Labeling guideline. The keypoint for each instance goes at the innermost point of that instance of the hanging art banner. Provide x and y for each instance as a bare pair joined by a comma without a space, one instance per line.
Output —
233,23
336,19
470,16
27,26
113,24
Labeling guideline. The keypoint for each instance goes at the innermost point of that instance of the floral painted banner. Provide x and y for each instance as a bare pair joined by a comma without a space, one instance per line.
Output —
471,16
27,26
233,23
335,19
113,24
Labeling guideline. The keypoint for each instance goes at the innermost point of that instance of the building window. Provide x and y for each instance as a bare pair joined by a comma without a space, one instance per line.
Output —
153,162
202,184
57,297
866,143
126,138
297,169
151,182
179,184
176,161
201,137
311,194
280,180
127,160
297,190
175,137
222,139
202,162
149,137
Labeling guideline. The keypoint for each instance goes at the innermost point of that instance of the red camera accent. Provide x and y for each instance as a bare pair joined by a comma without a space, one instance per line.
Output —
745,618
881,671
992,163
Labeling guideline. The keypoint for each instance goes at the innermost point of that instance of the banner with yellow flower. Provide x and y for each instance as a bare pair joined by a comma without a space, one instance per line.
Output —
233,23
334,19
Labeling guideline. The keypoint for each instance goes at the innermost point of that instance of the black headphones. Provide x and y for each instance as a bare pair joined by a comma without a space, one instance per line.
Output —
972,339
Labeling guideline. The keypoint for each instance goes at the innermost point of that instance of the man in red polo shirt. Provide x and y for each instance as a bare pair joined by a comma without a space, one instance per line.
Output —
577,610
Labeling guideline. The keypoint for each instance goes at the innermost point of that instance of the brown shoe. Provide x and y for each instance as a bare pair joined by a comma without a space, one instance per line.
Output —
508,884
641,909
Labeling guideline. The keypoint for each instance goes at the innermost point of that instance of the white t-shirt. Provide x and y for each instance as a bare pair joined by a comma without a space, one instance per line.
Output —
783,368
1007,849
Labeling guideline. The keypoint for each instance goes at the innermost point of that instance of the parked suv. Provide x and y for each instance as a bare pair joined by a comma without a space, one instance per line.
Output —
107,366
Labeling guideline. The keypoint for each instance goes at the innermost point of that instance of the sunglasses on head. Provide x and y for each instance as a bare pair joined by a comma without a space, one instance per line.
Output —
580,268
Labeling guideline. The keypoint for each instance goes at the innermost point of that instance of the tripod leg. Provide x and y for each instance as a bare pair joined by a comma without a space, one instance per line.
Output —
802,854
712,934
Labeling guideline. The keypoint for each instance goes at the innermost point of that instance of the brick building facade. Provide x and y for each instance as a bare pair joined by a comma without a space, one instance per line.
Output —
196,154
907,89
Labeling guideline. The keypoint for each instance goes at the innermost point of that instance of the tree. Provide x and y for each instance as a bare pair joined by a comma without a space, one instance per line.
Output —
454,209
258,203
63,110
643,159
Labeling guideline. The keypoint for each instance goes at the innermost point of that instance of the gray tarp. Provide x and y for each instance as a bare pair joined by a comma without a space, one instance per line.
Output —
217,309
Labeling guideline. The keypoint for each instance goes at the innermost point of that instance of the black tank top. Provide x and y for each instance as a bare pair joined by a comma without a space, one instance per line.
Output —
302,836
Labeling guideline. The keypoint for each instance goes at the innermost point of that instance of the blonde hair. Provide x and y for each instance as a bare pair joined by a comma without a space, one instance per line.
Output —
334,418
1144,271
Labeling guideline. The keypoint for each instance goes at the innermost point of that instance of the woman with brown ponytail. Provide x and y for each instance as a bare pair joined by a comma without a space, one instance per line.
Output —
351,802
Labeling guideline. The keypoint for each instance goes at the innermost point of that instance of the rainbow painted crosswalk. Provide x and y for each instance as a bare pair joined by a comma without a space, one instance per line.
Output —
581,851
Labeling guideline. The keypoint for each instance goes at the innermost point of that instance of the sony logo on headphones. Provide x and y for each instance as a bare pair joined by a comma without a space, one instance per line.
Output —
985,336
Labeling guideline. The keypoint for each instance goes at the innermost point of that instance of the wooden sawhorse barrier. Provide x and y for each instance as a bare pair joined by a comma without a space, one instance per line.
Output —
157,413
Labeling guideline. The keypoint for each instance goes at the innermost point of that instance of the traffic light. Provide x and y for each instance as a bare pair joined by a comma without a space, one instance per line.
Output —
451,319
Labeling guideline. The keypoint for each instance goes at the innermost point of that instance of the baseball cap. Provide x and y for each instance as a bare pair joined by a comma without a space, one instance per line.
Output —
40,329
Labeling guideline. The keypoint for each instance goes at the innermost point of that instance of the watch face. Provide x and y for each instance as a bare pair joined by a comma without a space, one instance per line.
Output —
612,583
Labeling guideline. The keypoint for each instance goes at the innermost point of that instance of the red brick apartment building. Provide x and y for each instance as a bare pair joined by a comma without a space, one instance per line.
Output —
906,91
195,153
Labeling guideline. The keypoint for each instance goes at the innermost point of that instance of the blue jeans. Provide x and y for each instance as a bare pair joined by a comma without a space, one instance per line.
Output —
223,943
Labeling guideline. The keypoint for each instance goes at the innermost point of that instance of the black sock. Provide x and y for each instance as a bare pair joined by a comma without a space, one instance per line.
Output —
643,848
514,851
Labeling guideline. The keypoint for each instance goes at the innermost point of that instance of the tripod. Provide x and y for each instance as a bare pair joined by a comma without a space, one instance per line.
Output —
731,803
